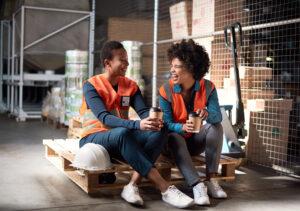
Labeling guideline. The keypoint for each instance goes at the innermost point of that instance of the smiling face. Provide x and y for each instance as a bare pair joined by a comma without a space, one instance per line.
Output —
117,66
179,73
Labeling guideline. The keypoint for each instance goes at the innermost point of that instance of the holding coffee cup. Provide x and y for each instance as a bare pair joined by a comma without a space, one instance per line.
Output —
156,112
195,119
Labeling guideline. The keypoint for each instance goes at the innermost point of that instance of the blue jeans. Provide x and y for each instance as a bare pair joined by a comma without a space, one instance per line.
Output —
138,148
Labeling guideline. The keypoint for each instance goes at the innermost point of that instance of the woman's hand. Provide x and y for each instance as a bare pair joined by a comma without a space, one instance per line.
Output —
188,127
151,124
203,113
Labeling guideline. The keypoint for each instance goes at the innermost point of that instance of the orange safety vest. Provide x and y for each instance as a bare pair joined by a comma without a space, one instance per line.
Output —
117,103
179,110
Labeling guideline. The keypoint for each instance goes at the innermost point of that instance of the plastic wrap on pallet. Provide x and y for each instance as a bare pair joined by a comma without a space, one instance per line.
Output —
46,105
53,104
76,57
134,54
76,72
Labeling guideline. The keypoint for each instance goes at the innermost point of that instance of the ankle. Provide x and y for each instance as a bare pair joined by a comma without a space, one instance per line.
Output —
164,187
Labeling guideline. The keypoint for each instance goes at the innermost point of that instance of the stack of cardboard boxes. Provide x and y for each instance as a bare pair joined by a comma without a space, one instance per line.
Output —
253,81
268,131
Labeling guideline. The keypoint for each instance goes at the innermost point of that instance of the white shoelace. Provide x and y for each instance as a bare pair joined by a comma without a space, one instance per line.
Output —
176,191
202,190
216,185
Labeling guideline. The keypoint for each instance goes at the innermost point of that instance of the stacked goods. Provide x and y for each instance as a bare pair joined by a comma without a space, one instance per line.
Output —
253,81
203,19
268,131
133,72
229,11
55,106
52,107
134,54
76,73
181,19
139,29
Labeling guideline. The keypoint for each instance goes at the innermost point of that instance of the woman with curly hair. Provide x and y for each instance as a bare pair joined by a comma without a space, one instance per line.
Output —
187,91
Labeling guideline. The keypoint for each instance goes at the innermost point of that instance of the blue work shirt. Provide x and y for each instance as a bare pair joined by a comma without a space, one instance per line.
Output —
96,104
213,108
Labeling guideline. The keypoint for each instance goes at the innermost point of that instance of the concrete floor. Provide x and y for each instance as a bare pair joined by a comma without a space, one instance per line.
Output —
28,181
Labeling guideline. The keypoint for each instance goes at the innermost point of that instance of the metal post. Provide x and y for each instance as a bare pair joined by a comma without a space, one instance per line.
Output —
1,64
8,64
13,64
91,40
154,74
21,63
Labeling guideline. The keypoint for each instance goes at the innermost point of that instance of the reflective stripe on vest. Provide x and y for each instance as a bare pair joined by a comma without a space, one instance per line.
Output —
111,99
178,106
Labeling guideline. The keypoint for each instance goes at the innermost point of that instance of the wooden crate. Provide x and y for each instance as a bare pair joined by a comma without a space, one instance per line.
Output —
59,153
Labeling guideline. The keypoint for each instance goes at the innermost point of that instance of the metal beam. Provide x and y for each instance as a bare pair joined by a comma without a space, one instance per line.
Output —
245,28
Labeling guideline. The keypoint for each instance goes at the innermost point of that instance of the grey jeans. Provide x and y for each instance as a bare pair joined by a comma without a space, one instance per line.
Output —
208,140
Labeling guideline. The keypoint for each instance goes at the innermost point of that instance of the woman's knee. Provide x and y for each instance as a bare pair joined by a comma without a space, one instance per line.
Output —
176,140
215,128
122,135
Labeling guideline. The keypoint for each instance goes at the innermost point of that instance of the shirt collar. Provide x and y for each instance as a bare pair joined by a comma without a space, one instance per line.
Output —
177,88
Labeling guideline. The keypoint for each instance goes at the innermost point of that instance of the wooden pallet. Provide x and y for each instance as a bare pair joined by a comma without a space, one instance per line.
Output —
60,153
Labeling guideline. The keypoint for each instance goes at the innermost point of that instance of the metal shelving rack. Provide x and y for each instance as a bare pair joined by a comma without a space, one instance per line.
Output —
17,78
5,29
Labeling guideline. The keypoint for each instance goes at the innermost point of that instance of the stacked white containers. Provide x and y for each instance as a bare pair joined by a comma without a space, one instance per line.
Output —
76,72
134,54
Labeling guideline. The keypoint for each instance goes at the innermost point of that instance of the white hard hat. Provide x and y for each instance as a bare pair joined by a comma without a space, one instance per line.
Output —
92,157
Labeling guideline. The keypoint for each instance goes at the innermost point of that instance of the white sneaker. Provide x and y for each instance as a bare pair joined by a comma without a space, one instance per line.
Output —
215,190
131,194
176,198
200,194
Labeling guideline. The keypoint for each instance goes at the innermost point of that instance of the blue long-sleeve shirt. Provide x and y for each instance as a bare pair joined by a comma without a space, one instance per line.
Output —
213,109
96,104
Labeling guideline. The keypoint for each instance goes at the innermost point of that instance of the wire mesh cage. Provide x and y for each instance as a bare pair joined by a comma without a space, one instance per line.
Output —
268,60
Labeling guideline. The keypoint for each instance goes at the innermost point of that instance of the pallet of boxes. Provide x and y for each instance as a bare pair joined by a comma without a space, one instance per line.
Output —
269,131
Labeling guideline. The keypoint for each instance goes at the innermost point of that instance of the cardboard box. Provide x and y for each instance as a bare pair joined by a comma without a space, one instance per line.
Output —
228,12
274,105
181,19
203,17
265,146
136,29
253,73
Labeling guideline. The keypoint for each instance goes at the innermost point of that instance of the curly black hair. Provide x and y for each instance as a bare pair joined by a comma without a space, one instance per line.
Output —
193,56
107,50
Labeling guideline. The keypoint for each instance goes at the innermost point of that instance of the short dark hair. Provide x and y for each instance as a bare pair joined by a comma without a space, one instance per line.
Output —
107,49
193,56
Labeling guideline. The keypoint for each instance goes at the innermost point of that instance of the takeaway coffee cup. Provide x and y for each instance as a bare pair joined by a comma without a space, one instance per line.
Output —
156,112
196,120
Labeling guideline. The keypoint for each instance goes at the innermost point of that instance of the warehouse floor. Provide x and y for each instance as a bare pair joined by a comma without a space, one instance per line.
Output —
29,181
